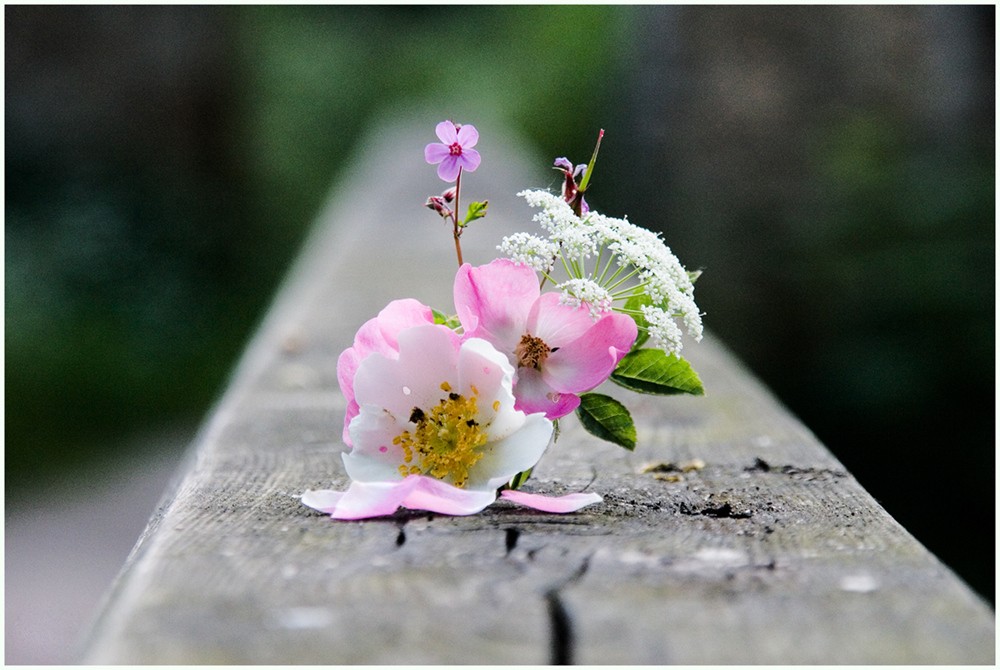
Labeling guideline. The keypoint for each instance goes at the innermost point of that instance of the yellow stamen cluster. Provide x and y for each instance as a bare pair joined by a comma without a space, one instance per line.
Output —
446,440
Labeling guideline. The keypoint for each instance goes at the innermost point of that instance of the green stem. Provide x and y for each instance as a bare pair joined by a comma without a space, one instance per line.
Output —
621,281
612,277
582,188
607,267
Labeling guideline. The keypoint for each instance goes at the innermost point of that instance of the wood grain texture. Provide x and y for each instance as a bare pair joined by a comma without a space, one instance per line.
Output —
769,553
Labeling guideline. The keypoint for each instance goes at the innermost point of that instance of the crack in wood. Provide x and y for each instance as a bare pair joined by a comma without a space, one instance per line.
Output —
723,511
810,473
511,536
560,622
561,628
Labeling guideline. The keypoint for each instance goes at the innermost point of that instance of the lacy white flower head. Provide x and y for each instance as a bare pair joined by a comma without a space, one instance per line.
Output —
627,264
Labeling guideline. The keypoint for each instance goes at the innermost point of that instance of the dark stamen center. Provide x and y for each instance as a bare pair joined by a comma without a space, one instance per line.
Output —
531,351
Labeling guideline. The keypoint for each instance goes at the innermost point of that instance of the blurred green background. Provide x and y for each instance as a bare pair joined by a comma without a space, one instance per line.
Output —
831,168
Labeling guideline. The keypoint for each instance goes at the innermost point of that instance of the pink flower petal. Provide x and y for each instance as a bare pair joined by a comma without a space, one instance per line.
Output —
347,367
556,324
467,136
446,132
377,335
590,359
435,152
555,504
363,500
449,167
434,495
401,314
493,301
535,395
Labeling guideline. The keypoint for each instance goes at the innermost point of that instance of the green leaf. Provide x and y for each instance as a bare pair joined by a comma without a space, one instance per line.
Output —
606,418
477,210
519,479
653,371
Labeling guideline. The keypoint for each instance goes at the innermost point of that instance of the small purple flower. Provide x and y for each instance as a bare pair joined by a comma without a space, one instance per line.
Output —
570,188
455,151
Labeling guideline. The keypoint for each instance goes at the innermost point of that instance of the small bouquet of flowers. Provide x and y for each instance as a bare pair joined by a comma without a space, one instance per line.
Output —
447,411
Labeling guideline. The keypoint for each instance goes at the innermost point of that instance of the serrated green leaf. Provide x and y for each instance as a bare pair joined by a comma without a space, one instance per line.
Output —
477,210
606,418
653,371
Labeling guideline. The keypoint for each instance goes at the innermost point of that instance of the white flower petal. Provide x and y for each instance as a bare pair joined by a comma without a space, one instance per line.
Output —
505,458
379,383
427,357
374,456
324,501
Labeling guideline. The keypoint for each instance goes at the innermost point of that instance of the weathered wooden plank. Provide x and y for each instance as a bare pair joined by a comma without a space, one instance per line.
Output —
769,553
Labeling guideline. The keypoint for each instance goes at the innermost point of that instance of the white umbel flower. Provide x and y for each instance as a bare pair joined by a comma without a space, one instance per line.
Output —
525,249
576,292
631,261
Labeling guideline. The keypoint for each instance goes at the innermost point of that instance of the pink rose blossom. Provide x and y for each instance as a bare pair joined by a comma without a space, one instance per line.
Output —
558,350
437,430
455,151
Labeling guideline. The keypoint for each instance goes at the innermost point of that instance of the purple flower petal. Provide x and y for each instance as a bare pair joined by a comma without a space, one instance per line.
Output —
467,136
469,159
435,152
555,504
564,164
446,132
449,167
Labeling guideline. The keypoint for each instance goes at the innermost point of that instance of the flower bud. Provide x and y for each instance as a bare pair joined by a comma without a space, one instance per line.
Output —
437,203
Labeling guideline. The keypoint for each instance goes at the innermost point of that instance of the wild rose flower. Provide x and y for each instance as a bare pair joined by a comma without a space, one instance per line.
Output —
455,151
377,335
437,430
559,350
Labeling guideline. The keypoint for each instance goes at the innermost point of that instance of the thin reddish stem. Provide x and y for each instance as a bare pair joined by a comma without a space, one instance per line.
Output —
456,230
